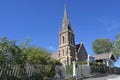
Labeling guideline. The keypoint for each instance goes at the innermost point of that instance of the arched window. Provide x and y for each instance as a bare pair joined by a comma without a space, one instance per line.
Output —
67,51
70,39
63,52
63,39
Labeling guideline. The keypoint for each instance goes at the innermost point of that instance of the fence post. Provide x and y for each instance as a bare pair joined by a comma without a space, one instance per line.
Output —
74,71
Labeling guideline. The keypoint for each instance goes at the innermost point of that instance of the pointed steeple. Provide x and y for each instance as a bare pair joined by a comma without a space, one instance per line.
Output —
65,18
66,21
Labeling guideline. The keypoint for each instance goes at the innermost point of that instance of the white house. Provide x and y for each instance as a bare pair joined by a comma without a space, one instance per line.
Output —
106,58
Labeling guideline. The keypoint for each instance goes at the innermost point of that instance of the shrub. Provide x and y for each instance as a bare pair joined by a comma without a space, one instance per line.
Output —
69,70
81,62
98,67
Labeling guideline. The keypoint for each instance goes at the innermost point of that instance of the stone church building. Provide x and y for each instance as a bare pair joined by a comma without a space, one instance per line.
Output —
68,51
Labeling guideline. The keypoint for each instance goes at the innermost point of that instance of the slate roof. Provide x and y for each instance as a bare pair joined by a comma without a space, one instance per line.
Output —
81,52
77,47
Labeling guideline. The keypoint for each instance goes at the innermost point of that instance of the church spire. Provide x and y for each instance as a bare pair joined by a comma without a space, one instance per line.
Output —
66,21
65,18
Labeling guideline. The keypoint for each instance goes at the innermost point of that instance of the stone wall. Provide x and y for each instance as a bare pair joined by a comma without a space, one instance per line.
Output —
60,73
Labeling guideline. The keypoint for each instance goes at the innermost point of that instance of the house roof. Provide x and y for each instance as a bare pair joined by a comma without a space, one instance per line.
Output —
55,55
79,46
81,52
103,56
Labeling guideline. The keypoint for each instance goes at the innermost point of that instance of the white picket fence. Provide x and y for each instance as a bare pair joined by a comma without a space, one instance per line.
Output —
31,70
12,72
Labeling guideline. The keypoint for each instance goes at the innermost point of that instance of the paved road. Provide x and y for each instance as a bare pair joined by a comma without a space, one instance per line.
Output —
109,77
116,78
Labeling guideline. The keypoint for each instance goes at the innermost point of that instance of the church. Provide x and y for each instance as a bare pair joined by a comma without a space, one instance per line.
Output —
69,51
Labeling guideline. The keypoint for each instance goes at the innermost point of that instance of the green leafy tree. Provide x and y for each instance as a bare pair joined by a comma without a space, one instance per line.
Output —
117,45
9,55
12,55
9,52
102,46
40,56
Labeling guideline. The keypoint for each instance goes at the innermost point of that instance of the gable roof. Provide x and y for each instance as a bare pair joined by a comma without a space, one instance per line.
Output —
104,56
81,52
79,46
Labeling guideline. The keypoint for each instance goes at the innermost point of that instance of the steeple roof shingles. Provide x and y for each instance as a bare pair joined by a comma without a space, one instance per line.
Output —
66,22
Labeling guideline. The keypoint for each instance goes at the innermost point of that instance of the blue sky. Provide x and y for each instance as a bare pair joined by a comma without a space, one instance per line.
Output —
41,20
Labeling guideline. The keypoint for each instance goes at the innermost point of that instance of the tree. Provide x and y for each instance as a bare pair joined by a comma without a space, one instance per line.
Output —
102,46
9,52
117,45
40,56
9,56
21,55
37,55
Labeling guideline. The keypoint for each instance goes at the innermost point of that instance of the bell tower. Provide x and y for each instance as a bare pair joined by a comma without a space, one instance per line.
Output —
66,41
